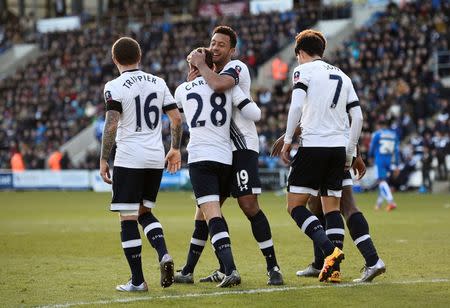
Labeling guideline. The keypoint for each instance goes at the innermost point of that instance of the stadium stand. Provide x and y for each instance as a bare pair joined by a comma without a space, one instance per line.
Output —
391,65
60,93
390,62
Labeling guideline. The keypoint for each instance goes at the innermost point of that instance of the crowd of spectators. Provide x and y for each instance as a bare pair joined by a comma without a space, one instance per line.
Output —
389,61
391,65
60,93
10,31
14,30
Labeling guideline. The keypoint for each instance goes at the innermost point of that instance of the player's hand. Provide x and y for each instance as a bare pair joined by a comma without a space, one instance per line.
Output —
193,73
173,159
359,167
350,159
286,153
277,146
104,171
197,58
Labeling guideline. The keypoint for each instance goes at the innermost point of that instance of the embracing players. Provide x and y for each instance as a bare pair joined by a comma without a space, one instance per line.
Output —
208,115
246,184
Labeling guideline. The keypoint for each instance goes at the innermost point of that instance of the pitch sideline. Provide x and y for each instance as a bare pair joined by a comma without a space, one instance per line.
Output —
251,291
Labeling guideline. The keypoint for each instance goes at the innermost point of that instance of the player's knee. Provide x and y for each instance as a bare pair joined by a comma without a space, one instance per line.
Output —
250,209
347,203
199,214
290,208
128,215
315,205
143,210
249,205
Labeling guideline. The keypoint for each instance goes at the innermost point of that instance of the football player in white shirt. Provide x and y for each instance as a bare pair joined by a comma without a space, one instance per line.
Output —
208,115
246,184
321,97
134,103
356,224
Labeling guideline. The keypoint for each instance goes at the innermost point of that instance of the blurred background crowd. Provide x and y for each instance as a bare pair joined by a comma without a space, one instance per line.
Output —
389,59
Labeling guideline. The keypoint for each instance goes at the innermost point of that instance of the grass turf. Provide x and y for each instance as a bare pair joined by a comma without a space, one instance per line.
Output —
64,247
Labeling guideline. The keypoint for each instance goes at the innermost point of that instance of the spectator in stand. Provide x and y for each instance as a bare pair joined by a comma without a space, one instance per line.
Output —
17,164
279,69
56,96
442,146
54,160
65,161
427,160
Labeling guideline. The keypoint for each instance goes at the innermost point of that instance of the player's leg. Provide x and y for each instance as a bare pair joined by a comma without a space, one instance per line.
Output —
246,186
305,178
220,237
218,275
208,180
385,190
198,242
200,234
359,231
126,199
380,196
151,226
313,269
331,192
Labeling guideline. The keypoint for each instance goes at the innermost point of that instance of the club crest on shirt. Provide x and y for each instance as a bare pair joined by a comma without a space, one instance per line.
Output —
296,76
238,69
108,96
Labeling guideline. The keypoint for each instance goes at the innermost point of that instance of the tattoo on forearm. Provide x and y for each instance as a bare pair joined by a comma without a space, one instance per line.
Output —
176,133
109,133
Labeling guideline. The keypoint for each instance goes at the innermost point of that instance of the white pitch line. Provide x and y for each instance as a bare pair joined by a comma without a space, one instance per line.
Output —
251,291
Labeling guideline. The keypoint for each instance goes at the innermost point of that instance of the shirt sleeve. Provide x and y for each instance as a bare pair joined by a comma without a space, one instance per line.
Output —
301,78
113,98
178,97
169,102
353,100
239,98
294,114
248,108
233,71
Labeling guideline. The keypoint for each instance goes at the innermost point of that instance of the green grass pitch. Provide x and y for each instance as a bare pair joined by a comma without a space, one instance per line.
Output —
63,248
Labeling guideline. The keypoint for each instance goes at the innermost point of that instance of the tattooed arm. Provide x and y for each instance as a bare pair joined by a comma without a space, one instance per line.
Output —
173,157
108,139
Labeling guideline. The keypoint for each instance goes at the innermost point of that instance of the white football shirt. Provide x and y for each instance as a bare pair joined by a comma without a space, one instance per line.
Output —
243,131
142,97
329,95
208,116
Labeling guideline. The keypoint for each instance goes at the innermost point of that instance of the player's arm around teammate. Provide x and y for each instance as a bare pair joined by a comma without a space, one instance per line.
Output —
246,184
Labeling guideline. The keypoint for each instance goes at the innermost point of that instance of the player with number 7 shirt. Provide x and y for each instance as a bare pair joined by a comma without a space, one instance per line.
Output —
323,97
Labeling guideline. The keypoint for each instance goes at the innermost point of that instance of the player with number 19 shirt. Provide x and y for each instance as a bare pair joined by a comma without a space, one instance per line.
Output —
208,115
246,185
